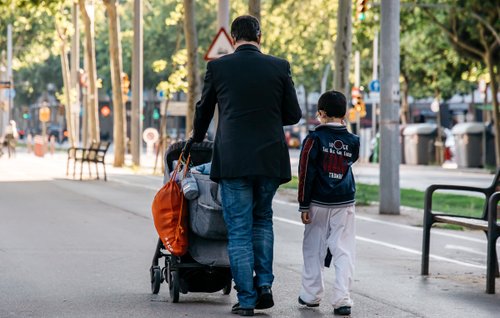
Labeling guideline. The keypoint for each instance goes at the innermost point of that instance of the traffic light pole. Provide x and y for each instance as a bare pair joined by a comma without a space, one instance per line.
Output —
357,83
390,152
9,68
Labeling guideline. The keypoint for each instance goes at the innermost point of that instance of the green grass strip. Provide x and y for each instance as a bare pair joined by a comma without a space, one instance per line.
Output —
442,202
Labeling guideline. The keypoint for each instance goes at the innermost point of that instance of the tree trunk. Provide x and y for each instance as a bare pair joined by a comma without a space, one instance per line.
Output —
254,8
66,81
343,47
115,56
488,59
192,61
93,111
67,94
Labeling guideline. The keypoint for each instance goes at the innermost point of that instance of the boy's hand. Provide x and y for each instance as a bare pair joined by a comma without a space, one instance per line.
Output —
305,217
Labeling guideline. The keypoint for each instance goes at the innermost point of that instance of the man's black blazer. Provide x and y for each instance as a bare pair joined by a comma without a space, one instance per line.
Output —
256,98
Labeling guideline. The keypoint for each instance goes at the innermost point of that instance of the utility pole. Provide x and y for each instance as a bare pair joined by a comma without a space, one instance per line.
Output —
9,68
75,67
390,152
137,84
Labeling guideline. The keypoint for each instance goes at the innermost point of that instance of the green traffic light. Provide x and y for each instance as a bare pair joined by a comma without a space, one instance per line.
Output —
26,116
361,16
156,114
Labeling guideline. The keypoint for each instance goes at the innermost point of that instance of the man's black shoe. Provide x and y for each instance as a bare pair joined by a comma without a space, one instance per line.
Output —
307,304
241,311
264,298
342,311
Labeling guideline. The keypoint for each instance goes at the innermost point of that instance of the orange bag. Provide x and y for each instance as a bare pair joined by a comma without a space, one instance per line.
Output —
170,214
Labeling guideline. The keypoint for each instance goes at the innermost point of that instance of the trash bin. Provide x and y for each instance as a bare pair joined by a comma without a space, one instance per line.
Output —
490,146
468,144
39,148
419,143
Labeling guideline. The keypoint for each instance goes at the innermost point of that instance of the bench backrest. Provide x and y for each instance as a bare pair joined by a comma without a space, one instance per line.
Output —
103,148
494,187
92,151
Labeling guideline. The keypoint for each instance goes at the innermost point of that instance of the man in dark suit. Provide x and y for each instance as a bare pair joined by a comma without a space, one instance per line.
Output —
256,98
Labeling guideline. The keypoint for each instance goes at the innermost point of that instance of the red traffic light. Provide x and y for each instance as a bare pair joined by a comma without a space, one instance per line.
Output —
105,111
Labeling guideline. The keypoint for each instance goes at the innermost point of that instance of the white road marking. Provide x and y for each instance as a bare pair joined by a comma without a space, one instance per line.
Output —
396,247
407,227
465,249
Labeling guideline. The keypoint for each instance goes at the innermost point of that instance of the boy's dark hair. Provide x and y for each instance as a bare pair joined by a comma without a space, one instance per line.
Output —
333,103
245,27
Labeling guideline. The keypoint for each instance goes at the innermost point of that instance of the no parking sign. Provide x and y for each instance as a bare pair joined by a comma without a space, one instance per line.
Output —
150,136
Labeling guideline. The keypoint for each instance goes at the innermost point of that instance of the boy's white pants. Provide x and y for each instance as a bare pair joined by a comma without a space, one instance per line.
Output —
329,228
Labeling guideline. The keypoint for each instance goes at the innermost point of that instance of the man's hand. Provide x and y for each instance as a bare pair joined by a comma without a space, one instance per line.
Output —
187,149
306,219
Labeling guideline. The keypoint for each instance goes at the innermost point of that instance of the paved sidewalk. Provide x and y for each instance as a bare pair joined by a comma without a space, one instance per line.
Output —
387,280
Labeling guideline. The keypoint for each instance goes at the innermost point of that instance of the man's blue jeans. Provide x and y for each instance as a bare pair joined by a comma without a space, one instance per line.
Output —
247,207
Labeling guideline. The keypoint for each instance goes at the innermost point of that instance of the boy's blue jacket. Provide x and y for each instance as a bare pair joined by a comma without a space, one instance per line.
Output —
325,175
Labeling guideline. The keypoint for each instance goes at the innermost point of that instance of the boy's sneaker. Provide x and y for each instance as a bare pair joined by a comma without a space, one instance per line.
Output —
342,311
307,304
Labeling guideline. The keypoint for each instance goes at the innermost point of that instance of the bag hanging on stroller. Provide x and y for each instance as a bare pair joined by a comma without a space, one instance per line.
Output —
170,214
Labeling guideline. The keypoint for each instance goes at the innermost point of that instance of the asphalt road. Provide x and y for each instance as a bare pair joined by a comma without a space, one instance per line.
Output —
73,248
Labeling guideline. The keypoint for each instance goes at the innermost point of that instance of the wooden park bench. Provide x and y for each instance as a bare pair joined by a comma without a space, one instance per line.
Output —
487,222
95,153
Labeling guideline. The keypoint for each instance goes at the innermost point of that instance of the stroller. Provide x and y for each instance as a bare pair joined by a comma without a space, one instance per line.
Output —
205,267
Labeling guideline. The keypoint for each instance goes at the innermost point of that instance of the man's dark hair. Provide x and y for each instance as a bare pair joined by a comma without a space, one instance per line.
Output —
246,28
333,103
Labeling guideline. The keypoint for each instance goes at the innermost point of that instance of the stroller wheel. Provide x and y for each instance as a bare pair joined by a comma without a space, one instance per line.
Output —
227,289
174,286
155,279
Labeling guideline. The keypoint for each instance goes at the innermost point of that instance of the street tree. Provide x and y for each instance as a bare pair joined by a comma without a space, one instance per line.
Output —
64,30
473,29
254,8
115,56
303,33
91,98
192,61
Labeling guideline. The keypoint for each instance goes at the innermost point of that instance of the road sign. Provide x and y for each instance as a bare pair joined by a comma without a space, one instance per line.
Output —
221,45
150,135
374,86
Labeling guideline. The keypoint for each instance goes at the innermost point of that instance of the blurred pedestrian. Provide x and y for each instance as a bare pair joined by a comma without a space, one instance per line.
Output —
256,97
11,136
29,142
52,144
326,198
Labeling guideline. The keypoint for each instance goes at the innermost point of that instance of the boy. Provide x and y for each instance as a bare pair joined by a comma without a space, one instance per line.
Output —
326,198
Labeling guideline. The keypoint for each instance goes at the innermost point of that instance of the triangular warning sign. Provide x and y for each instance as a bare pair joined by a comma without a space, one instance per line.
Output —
221,45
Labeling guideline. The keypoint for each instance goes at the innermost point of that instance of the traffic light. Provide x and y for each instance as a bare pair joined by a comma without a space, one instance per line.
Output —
156,114
26,113
105,111
361,8
360,107
125,83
